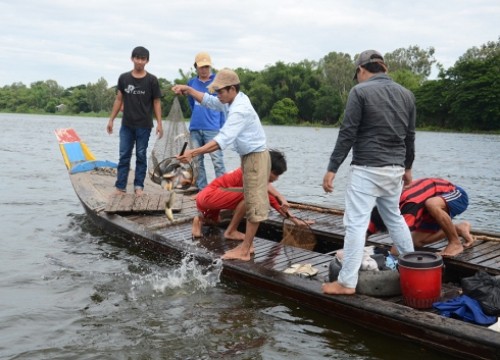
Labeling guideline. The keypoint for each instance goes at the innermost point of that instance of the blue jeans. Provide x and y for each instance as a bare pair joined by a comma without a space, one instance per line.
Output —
367,187
200,138
128,138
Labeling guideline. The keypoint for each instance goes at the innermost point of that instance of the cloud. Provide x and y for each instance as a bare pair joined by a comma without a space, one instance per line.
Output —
77,42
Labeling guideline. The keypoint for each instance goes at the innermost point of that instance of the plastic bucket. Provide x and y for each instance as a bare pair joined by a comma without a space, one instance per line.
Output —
420,276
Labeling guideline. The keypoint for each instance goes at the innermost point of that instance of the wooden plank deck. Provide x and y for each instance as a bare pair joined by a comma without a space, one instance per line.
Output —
328,226
483,255
146,203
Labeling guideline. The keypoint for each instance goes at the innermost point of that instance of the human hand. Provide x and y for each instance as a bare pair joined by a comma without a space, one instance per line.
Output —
159,132
186,157
180,89
109,127
407,179
285,206
328,181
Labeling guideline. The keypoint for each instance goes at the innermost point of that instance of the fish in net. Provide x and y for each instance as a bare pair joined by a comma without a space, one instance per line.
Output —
164,169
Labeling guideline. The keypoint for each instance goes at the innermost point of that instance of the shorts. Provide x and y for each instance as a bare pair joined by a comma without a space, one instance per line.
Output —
457,202
256,170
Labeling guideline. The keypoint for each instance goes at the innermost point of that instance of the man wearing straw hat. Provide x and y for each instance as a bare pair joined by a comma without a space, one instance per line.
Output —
243,130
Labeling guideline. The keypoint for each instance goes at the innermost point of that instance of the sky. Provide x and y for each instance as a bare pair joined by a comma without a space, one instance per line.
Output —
79,42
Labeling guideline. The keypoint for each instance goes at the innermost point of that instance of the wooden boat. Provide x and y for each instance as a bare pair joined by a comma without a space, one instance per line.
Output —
142,221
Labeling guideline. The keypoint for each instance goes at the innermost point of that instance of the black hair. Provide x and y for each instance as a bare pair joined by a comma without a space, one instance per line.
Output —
375,67
140,51
278,162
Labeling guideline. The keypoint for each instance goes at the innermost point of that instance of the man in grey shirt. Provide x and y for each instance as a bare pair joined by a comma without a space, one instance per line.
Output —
379,126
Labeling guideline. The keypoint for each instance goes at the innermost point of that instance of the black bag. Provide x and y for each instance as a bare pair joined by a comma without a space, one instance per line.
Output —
484,288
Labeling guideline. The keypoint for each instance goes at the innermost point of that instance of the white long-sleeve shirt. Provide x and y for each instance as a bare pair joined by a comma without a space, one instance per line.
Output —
242,128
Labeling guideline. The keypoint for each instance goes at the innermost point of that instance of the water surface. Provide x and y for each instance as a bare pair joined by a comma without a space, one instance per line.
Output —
69,291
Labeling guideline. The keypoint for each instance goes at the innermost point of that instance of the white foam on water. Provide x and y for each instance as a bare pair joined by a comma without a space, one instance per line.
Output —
188,277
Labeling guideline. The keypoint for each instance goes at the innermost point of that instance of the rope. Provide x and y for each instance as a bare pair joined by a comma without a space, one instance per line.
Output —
486,238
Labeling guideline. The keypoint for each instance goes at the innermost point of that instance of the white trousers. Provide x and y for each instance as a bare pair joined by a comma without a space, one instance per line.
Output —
367,187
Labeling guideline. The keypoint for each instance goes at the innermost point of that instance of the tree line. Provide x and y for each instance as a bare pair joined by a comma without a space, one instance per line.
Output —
463,97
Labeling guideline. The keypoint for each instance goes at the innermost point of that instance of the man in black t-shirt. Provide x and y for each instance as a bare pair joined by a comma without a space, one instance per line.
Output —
138,96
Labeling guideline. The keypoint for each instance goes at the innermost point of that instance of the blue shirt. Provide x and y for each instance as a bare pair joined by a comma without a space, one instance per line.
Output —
203,118
242,128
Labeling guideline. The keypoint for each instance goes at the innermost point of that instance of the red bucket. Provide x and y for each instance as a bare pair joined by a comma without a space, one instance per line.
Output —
420,275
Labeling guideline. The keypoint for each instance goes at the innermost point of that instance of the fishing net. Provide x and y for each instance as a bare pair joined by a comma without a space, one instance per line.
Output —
300,236
164,169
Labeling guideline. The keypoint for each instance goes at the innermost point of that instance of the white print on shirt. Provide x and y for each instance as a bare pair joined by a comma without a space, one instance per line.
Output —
131,90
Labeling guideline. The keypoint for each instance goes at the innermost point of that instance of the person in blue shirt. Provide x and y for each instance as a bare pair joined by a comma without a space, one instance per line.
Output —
205,123
243,130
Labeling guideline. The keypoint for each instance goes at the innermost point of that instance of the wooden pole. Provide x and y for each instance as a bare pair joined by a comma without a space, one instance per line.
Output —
316,208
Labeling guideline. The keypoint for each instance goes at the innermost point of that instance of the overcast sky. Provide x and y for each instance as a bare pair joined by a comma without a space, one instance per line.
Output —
78,42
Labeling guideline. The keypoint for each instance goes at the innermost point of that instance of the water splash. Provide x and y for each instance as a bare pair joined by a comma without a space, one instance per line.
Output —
188,277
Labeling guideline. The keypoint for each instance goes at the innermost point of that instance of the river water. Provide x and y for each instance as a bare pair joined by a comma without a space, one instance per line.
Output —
69,291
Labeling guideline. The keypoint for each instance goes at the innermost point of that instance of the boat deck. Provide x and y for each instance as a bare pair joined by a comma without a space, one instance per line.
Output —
327,227
153,231
483,255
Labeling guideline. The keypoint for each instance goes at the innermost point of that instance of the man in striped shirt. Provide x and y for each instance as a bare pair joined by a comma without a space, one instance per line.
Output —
428,206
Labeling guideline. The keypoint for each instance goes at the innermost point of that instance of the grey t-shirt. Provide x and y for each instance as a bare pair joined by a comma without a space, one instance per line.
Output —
379,125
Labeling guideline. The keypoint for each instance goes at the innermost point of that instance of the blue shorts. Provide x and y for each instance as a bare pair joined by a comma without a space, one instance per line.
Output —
457,201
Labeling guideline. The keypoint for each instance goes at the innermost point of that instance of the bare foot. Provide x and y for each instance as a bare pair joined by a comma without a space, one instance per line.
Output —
119,192
234,235
463,229
334,288
238,253
139,192
452,249
196,229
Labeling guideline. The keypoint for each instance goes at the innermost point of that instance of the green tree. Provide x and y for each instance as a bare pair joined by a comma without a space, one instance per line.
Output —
473,98
465,97
99,97
284,112
328,105
42,92
336,70
77,100
432,105
413,59
406,78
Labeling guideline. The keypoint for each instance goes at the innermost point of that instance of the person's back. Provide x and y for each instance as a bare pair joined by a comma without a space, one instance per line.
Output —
388,110
379,126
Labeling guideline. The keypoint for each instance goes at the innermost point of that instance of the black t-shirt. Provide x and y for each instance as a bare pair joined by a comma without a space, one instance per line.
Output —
138,96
